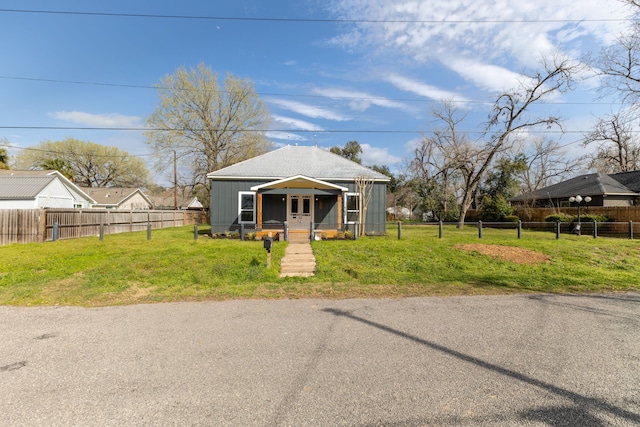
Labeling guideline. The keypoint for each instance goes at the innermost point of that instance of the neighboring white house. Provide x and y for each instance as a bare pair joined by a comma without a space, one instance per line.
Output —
40,189
118,198
181,199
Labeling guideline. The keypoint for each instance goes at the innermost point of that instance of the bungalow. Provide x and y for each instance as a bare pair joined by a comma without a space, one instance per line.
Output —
40,189
607,190
118,198
304,187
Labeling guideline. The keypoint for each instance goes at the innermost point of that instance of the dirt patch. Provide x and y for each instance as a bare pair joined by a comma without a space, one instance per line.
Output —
507,253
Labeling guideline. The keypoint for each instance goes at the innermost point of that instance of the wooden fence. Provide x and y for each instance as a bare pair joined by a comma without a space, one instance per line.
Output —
37,225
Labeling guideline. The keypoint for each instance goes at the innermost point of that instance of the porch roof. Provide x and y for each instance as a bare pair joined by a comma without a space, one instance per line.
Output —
299,181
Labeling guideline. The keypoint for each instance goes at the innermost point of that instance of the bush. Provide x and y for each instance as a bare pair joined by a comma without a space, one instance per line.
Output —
495,209
593,218
349,234
562,217
511,218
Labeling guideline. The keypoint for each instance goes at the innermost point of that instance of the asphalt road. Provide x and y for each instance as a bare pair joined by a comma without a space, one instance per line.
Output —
538,360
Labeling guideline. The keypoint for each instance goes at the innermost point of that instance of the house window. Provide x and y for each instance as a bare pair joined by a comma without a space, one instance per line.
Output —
247,207
351,208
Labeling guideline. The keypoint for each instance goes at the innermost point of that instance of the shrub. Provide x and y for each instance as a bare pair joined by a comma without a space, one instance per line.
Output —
511,218
594,218
349,234
562,217
495,208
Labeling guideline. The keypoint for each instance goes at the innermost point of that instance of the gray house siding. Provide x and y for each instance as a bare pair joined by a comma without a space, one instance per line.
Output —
224,206
224,203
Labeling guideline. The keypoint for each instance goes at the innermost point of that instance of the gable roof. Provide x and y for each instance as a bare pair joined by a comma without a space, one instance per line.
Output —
23,187
113,196
312,162
25,182
593,184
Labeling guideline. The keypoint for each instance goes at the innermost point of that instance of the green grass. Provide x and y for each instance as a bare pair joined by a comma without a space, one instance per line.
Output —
172,266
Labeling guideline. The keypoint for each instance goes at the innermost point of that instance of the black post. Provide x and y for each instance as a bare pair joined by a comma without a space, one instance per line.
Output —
148,231
311,235
557,230
595,230
479,229
440,230
519,229
55,231
399,230
631,230
195,232
355,231
242,232
286,231
579,223
101,231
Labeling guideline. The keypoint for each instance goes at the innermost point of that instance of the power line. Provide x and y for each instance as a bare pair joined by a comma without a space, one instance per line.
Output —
297,95
314,20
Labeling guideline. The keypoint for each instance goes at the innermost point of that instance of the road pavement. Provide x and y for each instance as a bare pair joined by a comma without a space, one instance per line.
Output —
526,360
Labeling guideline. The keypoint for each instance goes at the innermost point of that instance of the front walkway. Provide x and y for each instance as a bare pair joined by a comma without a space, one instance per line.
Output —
298,257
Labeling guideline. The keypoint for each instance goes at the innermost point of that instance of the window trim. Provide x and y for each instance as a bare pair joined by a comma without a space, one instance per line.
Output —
253,209
346,205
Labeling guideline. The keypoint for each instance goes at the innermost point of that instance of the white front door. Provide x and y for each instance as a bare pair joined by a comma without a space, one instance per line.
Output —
300,211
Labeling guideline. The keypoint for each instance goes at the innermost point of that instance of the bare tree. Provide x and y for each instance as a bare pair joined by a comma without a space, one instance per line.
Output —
617,148
364,186
509,117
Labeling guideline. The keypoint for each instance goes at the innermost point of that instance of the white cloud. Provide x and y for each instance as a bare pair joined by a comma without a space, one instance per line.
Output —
360,101
378,156
486,76
512,34
423,89
284,136
112,120
307,110
296,123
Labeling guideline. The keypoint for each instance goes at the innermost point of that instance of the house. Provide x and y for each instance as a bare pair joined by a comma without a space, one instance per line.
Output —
118,198
304,187
607,190
180,199
40,189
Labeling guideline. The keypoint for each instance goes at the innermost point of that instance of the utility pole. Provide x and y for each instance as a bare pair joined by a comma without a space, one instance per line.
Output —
175,180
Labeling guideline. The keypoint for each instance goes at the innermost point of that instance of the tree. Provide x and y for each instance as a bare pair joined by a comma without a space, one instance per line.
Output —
208,126
351,151
502,180
4,158
90,164
59,165
617,148
508,118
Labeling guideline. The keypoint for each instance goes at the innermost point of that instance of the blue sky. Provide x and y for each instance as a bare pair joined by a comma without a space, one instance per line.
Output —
330,71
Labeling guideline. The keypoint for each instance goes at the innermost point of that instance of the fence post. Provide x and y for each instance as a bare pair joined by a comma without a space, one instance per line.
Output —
479,229
399,230
440,230
101,231
595,230
54,233
148,230
355,231
557,230
286,231
519,229
311,234
195,232
242,232
631,230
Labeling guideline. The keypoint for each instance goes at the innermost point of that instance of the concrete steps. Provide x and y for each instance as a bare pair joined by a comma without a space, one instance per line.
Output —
298,257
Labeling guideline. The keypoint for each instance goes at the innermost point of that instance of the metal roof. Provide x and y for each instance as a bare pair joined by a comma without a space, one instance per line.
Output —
23,187
291,160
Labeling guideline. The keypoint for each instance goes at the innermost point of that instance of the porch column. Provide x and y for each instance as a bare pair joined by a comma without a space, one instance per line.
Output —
259,213
339,211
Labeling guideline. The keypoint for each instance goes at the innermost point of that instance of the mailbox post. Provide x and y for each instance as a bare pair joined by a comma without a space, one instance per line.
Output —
267,243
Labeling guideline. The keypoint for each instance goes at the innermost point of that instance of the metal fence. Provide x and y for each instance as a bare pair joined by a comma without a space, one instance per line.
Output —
41,225
626,230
